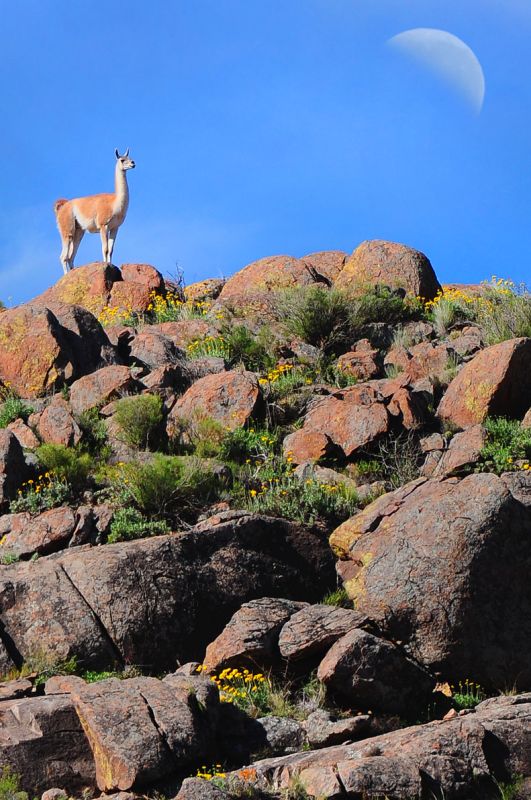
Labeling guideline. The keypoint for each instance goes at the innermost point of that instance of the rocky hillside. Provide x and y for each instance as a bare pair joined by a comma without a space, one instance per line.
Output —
268,537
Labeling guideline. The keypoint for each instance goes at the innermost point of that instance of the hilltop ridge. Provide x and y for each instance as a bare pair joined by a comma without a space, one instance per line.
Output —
252,528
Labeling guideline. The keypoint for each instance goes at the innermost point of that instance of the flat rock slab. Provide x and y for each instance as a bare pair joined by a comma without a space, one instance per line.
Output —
154,602
314,629
453,758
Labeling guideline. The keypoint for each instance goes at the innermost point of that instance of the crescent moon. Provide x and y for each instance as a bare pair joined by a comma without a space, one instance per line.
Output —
448,57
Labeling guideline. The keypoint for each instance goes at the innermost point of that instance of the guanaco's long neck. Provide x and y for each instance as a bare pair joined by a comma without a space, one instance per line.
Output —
121,189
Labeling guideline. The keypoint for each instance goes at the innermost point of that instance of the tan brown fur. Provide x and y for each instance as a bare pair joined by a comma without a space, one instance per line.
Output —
103,213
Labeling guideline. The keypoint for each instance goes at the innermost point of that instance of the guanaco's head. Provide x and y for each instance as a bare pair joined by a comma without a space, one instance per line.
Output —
124,161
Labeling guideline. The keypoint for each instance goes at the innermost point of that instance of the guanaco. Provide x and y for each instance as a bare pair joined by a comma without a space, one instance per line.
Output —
98,212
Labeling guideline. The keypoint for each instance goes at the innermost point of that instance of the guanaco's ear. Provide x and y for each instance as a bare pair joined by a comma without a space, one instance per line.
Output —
126,154
117,153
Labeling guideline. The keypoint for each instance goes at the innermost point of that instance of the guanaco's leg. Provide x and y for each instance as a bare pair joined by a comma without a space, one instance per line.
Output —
76,241
104,233
112,238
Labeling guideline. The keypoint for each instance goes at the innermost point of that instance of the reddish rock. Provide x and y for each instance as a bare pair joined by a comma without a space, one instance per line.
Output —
307,446
24,534
410,407
351,419
130,297
425,360
85,338
185,331
447,758
143,274
497,382
390,264
228,397
138,730
88,286
42,740
315,628
57,426
15,689
24,434
323,730
208,289
327,263
464,451
526,422
267,274
13,468
432,564
161,600
153,349
374,674
100,387
466,341
34,355
251,636
362,362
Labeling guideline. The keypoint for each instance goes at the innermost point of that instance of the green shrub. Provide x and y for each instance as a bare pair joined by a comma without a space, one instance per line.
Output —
284,379
506,443
254,352
213,346
199,433
12,408
67,464
468,695
139,419
129,523
337,597
306,501
400,458
10,785
249,444
505,312
94,433
164,487
320,317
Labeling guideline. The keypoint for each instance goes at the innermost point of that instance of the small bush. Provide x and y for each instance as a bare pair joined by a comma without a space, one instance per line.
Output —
337,597
128,524
200,433
69,465
284,379
320,317
12,408
166,486
139,419
468,695
254,352
10,785
400,458
508,446
94,433
506,315
213,346
249,444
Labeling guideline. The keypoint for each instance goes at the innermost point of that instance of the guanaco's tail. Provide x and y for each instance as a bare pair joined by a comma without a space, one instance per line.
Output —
58,204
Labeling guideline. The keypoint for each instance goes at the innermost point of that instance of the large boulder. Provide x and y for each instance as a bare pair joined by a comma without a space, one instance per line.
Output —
374,674
251,636
35,356
88,286
231,398
156,601
268,274
153,349
99,388
88,342
497,382
442,566
56,425
464,757
390,264
350,419
326,264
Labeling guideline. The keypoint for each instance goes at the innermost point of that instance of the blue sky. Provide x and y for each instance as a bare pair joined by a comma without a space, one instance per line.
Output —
263,128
